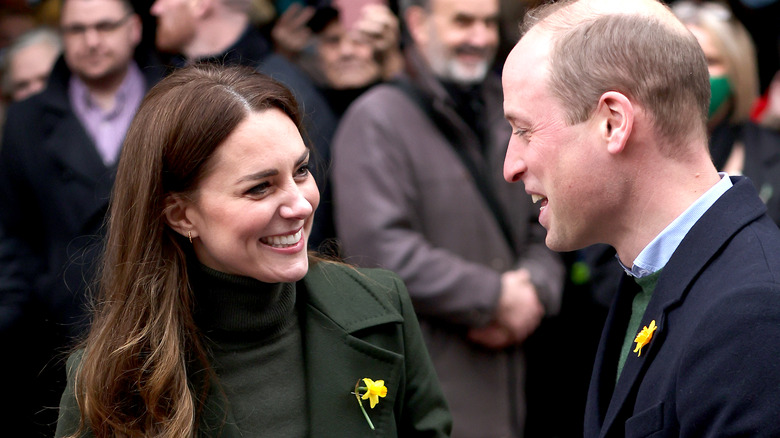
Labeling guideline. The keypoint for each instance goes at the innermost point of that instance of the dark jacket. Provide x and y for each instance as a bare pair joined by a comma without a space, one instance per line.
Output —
762,164
54,191
355,324
711,367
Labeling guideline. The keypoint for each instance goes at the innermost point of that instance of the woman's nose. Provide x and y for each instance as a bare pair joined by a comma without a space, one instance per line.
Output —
296,206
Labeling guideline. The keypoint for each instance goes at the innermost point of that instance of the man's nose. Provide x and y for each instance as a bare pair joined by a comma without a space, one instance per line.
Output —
514,165
483,34
91,36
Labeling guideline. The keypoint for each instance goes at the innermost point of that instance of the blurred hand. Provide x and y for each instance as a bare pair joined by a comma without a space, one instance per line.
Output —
518,315
378,25
492,336
290,33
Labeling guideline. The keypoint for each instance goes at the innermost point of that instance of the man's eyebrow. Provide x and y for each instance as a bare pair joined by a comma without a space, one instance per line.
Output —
513,118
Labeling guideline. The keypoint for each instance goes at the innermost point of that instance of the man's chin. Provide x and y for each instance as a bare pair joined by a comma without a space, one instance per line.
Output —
468,74
92,75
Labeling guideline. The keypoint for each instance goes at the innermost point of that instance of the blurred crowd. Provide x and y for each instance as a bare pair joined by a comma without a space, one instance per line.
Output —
401,105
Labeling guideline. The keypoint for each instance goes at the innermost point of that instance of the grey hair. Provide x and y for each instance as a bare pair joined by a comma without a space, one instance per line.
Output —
39,35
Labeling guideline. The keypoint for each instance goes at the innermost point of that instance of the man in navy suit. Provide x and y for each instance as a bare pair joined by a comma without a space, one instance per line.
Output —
608,103
57,164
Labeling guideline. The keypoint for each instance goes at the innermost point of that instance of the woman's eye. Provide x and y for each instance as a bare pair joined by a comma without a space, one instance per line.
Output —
259,189
303,170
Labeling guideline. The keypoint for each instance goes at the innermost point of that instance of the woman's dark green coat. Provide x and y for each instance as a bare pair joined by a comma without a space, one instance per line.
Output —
355,324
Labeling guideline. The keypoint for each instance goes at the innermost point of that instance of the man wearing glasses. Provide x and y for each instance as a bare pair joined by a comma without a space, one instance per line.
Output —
57,161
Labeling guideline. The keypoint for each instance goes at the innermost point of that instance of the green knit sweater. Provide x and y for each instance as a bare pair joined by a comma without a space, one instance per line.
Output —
254,337
638,307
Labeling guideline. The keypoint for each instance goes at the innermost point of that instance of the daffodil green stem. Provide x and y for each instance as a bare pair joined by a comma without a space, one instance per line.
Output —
360,403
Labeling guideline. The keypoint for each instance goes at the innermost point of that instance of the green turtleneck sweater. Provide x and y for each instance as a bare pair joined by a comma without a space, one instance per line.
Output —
255,341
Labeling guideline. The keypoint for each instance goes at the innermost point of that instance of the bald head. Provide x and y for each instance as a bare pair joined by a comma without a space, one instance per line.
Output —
638,48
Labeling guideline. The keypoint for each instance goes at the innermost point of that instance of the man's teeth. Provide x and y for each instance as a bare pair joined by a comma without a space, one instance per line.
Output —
536,198
283,241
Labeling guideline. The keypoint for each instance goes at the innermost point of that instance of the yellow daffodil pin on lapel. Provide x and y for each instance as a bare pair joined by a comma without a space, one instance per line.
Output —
371,391
644,336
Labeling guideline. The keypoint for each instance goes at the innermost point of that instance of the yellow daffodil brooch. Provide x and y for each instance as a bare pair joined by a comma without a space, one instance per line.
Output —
644,336
371,391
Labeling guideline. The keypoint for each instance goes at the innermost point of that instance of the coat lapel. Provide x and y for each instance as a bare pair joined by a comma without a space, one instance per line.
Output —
335,359
73,150
699,246
602,384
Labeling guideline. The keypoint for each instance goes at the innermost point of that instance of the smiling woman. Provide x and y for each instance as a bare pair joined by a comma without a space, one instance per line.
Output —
212,318
253,210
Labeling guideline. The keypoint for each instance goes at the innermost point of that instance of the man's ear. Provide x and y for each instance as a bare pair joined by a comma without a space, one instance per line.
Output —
416,18
176,216
201,8
136,29
615,120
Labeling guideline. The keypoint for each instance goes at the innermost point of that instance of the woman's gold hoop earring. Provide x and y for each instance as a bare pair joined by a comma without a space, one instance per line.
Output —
189,235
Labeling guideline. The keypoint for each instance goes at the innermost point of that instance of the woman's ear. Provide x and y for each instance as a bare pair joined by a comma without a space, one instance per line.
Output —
616,120
176,215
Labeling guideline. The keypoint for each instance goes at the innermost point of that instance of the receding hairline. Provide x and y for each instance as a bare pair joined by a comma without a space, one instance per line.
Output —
557,19
560,24
565,15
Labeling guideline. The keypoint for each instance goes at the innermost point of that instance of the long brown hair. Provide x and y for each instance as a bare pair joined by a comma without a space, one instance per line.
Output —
144,369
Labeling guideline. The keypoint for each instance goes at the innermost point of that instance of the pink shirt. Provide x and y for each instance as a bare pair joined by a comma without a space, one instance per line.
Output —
108,128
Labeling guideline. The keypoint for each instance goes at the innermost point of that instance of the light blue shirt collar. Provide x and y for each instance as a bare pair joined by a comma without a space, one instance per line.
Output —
658,252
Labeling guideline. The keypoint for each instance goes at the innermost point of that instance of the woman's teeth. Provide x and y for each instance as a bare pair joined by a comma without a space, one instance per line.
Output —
283,241
537,198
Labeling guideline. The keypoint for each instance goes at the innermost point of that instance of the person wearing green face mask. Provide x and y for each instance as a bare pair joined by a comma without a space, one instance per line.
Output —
732,63
737,145
721,92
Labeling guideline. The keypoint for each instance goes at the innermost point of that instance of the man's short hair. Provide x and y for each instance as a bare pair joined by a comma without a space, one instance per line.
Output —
661,68
127,4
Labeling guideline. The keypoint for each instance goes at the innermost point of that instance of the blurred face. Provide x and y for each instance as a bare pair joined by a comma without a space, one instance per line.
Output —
175,25
559,164
461,39
346,59
29,69
253,211
99,38
715,61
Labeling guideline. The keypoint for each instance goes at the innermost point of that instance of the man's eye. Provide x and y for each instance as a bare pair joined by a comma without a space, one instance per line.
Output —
104,27
521,132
